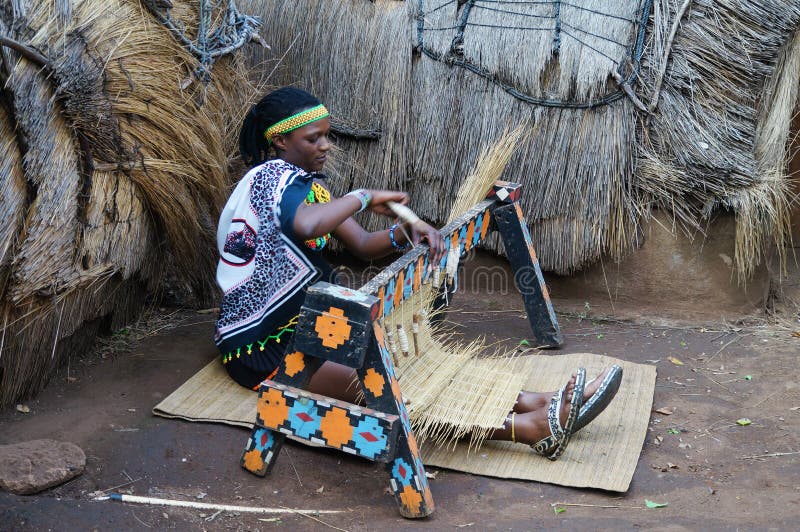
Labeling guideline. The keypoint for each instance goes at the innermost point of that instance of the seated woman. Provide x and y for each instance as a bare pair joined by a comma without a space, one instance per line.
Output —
271,235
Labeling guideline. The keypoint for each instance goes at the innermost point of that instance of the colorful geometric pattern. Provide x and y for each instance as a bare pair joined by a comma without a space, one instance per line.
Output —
332,327
374,382
258,452
505,192
333,323
317,194
349,333
407,473
410,271
294,363
325,421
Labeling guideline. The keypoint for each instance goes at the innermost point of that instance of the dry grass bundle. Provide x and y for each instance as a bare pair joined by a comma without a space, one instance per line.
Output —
125,167
12,194
518,42
490,166
573,165
45,249
719,136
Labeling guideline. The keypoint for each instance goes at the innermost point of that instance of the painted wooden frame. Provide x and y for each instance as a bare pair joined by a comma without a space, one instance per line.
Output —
342,325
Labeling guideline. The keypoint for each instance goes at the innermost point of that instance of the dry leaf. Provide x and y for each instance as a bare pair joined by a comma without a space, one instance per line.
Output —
675,361
796,334
321,489
667,410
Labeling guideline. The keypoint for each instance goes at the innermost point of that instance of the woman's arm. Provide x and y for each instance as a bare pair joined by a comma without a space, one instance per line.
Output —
377,244
364,244
311,221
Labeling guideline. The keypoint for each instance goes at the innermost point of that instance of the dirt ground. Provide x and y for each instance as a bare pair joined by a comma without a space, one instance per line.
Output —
712,473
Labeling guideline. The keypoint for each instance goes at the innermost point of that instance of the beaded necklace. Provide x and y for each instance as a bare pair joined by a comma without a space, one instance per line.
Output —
317,194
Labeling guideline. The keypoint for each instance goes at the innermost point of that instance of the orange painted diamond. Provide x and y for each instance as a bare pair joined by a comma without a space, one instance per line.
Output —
294,363
253,461
332,328
373,381
335,427
411,499
272,408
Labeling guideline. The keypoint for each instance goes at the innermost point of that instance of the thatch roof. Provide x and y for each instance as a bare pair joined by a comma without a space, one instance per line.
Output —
116,156
442,78
115,167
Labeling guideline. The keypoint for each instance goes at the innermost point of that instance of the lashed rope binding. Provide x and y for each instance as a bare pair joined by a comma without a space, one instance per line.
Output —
455,55
235,30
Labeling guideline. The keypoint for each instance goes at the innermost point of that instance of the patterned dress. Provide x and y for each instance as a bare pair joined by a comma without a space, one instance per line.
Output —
263,267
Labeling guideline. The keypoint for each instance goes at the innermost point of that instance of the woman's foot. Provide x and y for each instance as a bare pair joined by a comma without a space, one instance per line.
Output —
533,401
531,427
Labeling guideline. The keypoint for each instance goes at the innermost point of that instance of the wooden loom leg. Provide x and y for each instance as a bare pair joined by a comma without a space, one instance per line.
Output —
264,444
382,393
527,274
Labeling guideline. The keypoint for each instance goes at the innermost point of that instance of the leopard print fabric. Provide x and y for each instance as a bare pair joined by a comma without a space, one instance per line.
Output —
277,269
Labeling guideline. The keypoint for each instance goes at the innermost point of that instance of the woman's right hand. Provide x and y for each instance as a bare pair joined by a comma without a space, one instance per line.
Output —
380,198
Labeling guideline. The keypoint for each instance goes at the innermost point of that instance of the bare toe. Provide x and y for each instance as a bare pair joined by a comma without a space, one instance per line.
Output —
594,384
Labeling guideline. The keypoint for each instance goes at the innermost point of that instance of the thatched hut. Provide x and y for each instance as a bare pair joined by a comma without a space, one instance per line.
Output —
118,134
632,106
115,166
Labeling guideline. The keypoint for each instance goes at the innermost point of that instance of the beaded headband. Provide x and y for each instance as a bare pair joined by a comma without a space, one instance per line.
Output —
295,121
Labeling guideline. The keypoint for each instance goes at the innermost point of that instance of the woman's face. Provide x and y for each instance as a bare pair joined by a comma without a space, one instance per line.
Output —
307,146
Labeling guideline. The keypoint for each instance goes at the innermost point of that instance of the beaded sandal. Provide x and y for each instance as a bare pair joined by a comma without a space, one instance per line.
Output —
554,445
601,398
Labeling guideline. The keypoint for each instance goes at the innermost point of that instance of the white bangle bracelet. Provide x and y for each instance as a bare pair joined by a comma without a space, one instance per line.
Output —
363,196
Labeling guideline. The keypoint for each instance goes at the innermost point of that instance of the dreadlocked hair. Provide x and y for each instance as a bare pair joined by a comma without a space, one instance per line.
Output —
271,109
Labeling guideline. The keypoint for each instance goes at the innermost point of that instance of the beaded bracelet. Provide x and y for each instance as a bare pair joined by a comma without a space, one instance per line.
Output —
395,245
363,196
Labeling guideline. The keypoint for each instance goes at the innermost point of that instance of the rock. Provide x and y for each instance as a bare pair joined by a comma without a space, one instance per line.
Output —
32,466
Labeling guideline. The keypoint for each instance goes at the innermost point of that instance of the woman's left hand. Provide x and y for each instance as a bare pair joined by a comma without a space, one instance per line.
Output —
421,231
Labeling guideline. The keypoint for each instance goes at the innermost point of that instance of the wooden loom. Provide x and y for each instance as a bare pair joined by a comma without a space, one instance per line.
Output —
343,325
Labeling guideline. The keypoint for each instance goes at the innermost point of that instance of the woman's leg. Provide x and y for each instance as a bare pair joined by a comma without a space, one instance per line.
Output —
532,401
336,381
